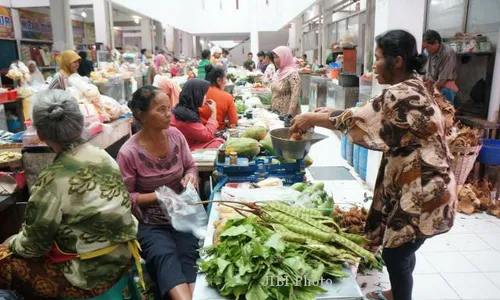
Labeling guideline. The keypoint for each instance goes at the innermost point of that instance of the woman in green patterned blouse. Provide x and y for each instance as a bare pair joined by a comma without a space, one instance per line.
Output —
76,241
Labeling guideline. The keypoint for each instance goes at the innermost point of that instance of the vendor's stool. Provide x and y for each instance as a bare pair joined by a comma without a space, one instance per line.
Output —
116,291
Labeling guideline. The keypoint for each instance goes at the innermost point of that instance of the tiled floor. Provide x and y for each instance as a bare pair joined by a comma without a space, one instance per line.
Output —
461,264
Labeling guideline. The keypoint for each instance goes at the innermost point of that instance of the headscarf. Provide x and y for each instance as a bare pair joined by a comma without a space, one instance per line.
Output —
35,77
215,49
191,98
287,63
158,61
169,87
67,58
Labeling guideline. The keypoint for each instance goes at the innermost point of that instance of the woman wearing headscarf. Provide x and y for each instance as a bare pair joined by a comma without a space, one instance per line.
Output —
68,64
36,77
169,87
159,64
285,85
86,66
186,117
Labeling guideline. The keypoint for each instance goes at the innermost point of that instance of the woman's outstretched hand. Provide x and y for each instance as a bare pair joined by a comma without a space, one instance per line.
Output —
302,123
189,178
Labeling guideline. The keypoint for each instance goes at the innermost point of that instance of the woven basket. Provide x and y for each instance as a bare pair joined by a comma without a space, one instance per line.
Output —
463,163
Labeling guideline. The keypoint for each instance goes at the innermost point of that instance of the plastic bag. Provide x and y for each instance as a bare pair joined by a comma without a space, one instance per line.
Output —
185,216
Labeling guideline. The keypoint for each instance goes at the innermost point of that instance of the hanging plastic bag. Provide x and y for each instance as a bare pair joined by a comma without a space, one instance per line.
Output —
184,215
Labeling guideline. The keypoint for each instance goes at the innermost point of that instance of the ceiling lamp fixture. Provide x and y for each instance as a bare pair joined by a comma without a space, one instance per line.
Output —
84,14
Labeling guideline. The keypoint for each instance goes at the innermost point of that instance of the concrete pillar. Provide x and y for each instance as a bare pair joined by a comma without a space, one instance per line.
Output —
62,30
494,108
254,45
147,35
408,15
103,23
159,35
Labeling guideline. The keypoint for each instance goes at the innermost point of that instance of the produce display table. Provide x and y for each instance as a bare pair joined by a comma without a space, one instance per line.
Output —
35,160
345,289
114,88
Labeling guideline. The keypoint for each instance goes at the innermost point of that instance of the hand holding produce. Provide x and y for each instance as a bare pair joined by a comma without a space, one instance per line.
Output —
302,123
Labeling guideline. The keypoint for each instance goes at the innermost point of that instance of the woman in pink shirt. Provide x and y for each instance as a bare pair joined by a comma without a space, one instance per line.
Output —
158,155
186,116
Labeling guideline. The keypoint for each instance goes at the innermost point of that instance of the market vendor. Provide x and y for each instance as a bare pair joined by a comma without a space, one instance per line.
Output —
186,116
336,51
68,64
79,206
226,109
175,70
36,77
441,65
158,155
86,66
415,193
249,64
205,61
285,85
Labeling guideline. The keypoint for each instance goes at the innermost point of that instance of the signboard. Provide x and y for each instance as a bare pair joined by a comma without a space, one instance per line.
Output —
78,32
90,33
35,26
6,27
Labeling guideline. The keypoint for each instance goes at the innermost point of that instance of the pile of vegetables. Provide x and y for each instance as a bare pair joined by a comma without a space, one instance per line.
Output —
240,107
314,196
265,99
279,242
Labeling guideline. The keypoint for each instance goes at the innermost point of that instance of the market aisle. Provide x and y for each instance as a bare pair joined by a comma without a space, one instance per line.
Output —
447,265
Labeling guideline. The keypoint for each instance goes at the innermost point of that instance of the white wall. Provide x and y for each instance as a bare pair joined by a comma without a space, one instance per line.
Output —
239,53
40,3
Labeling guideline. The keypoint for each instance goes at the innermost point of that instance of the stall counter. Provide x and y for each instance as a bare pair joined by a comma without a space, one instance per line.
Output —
36,160
344,289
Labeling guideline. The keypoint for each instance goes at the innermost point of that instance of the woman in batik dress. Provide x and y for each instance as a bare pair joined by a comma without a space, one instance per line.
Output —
415,192
78,234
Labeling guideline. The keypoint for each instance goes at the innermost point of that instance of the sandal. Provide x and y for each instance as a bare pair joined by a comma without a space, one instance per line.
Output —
380,295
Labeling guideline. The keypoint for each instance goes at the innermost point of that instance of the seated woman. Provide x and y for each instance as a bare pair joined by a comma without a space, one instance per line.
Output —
158,155
225,102
79,207
186,116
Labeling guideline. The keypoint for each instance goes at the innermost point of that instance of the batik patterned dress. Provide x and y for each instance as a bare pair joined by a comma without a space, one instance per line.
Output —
81,204
415,192
285,94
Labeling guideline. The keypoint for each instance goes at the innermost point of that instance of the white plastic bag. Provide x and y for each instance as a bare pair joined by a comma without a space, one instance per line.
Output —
185,216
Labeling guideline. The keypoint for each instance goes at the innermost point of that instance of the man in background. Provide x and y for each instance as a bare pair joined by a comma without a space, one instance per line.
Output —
262,64
249,64
441,65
